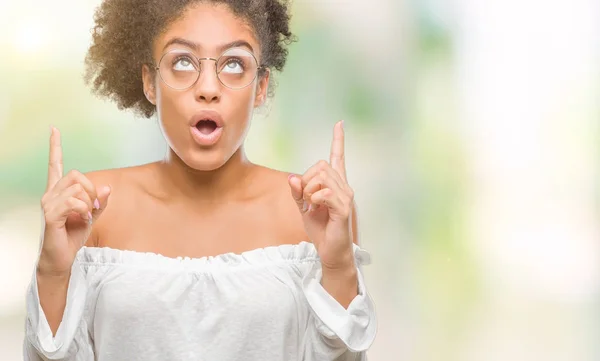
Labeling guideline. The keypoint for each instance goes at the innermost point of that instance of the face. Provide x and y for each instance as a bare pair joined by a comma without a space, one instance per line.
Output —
206,30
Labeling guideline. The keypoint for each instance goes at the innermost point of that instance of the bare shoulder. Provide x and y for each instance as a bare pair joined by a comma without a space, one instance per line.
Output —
119,179
290,210
117,175
285,211
277,186
105,176
280,192
122,181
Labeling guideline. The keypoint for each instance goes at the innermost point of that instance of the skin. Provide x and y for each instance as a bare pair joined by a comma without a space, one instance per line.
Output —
185,205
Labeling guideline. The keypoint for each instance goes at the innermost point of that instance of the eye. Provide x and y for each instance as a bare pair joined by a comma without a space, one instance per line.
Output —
184,63
233,65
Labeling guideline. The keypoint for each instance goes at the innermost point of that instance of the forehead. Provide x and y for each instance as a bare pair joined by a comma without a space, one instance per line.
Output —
209,26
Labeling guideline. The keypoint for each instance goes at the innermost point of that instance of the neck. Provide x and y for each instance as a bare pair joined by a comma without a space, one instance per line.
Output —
221,185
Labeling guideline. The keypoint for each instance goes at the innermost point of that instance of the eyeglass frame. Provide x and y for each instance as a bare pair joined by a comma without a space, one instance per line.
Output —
258,68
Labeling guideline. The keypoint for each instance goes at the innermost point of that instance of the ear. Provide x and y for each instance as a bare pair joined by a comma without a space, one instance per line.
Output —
262,88
148,77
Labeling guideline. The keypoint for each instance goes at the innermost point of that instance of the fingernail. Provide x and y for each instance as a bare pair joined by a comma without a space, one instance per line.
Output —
89,215
304,206
290,176
310,207
342,124
96,204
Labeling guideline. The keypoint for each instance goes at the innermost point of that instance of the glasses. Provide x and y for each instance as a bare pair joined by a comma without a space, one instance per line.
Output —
180,69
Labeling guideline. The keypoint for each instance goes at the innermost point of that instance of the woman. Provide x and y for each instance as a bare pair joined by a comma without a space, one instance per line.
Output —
204,255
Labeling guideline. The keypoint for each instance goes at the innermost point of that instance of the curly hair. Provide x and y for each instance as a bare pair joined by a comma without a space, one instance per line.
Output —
125,30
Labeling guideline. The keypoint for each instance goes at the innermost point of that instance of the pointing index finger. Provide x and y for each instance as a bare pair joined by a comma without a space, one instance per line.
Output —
55,163
337,159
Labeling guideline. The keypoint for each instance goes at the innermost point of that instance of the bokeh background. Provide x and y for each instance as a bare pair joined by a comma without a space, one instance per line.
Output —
472,145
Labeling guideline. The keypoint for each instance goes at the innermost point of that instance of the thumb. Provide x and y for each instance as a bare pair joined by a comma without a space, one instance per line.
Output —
103,194
296,188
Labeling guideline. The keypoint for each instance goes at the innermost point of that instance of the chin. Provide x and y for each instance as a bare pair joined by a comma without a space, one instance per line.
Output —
205,160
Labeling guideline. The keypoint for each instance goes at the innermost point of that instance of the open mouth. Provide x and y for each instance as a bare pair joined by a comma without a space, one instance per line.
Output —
206,126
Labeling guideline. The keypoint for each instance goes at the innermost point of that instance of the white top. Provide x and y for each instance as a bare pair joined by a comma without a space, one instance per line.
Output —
265,304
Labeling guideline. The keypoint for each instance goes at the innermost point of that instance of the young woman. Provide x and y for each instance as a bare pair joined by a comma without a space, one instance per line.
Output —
203,255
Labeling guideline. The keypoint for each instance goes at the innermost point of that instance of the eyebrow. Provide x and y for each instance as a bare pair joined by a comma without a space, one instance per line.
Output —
220,49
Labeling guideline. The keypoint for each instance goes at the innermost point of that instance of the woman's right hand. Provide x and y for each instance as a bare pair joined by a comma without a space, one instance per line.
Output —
70,205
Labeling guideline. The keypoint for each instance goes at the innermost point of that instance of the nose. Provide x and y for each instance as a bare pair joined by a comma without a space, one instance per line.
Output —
208,86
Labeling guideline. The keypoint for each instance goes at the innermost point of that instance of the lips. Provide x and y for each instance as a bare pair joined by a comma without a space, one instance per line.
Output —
207,115
206,127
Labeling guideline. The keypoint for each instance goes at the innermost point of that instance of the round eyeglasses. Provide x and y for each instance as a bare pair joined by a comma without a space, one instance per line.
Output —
236,68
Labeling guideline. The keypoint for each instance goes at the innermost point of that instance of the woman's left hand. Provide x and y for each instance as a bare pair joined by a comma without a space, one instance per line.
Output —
326,202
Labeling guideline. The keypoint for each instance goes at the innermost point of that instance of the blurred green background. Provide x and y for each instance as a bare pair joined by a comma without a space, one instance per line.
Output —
472,146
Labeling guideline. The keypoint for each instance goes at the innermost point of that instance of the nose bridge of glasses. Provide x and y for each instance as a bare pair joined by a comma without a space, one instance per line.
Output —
202,74
200,61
